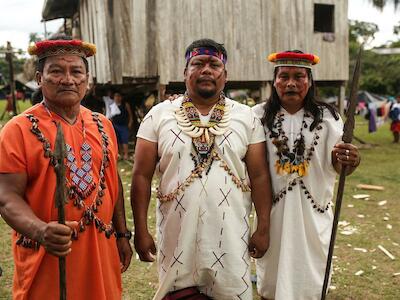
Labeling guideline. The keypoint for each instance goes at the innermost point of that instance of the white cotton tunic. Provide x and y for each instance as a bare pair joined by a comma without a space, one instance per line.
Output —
202,236
294,265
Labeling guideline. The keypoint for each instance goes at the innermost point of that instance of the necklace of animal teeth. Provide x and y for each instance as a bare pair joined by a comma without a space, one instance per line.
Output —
189,119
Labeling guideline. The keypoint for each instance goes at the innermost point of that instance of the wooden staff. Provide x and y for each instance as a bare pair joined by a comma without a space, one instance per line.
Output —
60,199
347,138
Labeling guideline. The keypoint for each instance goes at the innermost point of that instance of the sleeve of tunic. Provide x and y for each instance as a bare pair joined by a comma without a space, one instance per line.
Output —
12,149
258,134
148,129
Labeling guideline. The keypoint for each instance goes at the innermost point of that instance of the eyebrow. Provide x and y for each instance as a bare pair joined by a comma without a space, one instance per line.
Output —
57,65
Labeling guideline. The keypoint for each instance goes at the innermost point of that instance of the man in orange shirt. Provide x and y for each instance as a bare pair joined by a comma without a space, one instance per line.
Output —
95,240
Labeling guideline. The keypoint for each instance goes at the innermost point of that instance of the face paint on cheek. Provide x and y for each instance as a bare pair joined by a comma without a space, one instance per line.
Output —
51,80
81,81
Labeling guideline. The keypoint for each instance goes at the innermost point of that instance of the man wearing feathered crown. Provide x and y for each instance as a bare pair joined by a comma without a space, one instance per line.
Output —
305,154
94,239
210,152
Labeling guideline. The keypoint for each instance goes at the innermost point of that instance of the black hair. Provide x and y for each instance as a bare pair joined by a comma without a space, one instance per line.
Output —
208,43
41,62
36,96
311,104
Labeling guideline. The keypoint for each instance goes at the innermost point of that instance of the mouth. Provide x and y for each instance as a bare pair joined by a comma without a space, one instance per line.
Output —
290,93
67,91
206,80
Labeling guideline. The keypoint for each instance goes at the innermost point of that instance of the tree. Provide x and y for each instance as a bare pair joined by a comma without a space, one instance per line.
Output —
396,29
363,32
34,37
379,73
18,64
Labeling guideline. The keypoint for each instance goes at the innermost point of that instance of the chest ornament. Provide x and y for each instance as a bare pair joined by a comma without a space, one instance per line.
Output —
296,160
81,183
203,139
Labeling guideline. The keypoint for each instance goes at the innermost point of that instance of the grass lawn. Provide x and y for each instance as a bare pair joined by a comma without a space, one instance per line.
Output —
371,222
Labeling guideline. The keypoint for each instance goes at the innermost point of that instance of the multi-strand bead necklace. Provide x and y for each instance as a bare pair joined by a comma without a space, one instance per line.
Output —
296,160
81,183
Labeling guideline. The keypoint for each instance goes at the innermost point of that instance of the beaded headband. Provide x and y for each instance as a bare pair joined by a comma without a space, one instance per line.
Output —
62,47
293,59
205,51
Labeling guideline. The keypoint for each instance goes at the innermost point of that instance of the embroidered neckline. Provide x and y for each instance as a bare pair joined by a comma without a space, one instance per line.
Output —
89,211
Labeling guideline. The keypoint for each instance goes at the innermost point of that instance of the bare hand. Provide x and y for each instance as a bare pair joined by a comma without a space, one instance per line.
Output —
56,238
346,154
258,244
125,253
145,247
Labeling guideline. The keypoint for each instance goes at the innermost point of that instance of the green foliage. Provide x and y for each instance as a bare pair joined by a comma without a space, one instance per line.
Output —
379,73
18,62
364,31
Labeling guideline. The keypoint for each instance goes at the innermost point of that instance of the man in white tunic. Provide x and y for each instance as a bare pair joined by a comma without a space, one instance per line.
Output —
304,155
210,153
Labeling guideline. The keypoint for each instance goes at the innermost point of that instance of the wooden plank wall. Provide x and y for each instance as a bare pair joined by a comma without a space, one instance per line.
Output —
140,39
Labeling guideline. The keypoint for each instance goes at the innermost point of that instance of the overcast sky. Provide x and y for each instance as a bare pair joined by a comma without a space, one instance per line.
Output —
18,18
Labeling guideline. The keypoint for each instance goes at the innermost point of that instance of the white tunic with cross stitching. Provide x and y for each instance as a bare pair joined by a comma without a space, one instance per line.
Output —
301,220
202,235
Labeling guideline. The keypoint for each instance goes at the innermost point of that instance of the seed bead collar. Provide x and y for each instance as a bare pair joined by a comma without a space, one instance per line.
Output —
89,211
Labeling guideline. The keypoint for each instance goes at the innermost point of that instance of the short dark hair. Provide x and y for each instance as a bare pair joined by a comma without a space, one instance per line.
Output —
208,43
41,62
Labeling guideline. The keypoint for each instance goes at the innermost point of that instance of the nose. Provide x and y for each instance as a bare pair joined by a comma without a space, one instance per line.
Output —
291,83
67,79
206,69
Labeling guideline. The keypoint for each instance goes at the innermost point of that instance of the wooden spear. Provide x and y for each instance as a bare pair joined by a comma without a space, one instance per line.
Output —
347,138
60,199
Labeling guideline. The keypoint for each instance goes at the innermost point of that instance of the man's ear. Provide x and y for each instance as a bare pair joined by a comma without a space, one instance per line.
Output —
184,74
38,77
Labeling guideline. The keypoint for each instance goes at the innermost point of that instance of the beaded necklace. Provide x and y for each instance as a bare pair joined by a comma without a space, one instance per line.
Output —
295,160
203,135
77,193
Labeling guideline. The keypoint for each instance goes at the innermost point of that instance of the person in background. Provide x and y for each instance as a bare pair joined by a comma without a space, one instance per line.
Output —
108,99
92,101
122,120
394,115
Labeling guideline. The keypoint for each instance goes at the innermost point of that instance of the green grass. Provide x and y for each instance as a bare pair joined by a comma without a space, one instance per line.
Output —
380,166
